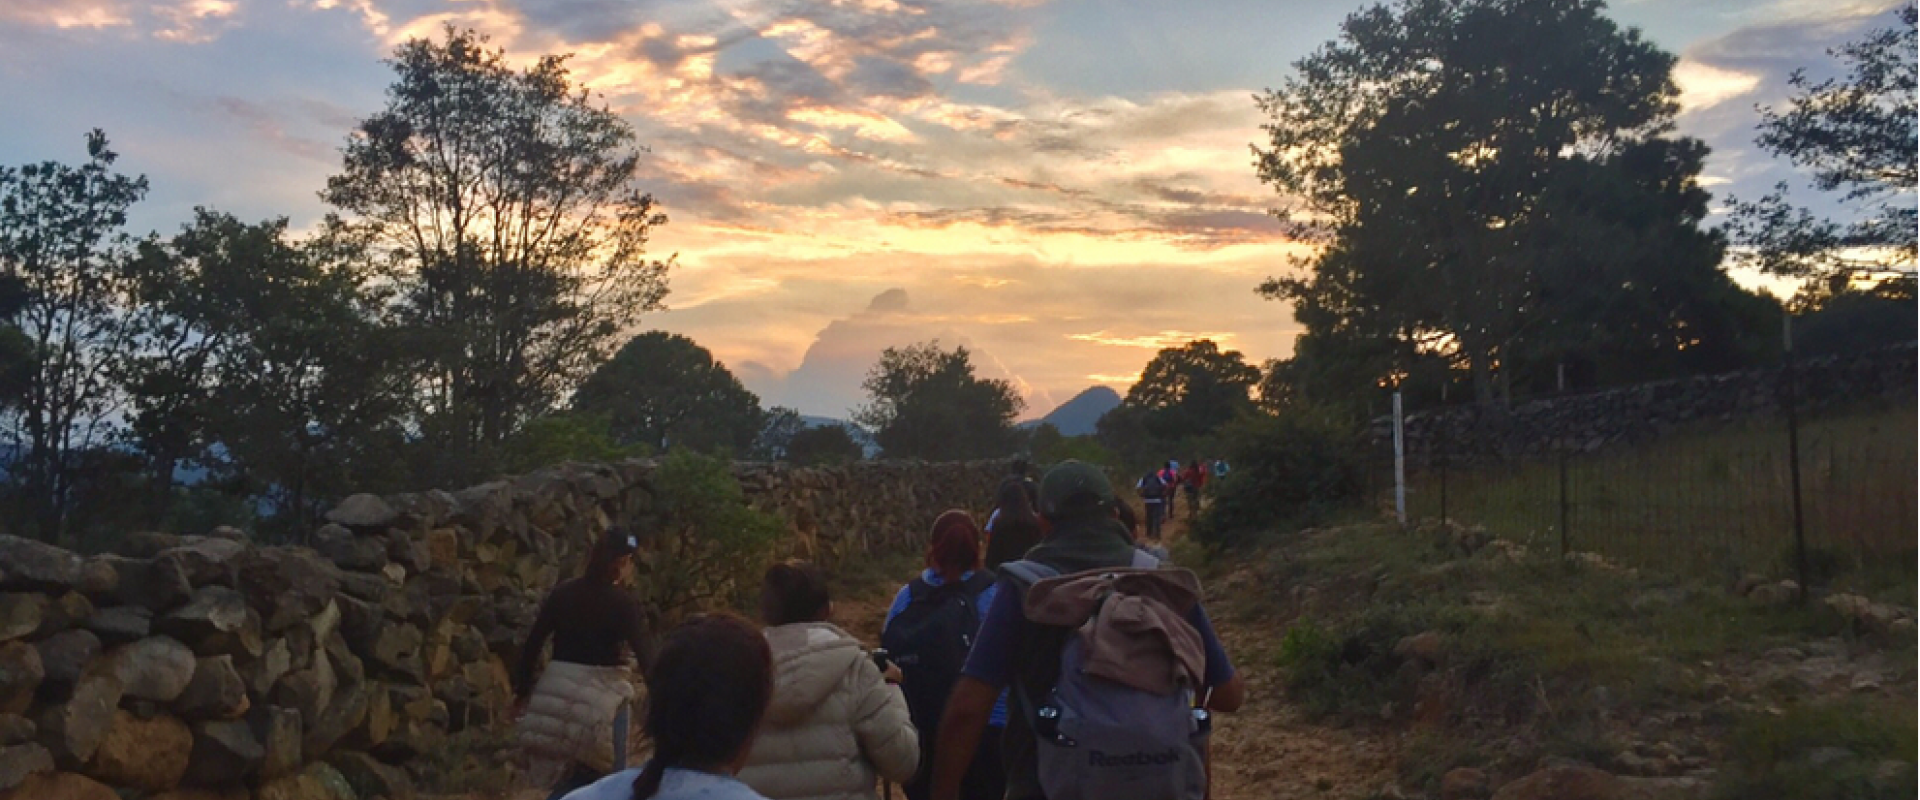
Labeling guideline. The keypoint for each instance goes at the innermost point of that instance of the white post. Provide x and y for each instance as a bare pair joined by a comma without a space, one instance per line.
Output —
1399,461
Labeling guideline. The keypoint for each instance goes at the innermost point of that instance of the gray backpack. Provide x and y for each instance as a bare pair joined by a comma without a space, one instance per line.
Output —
1099,739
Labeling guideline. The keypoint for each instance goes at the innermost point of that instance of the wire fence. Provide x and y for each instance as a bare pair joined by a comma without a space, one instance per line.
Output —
1712,498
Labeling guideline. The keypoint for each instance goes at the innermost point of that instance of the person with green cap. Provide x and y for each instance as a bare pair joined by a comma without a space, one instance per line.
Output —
1011,650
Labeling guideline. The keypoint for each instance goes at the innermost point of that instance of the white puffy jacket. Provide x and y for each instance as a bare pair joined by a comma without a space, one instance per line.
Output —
833,722
569,719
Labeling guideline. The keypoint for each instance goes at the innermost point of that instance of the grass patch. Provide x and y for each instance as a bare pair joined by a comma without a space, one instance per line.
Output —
1846,750
1715,502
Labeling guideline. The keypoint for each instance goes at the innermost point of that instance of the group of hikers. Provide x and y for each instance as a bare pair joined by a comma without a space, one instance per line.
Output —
1048,655
1161,487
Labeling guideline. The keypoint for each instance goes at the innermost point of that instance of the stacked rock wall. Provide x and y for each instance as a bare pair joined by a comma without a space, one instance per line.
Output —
201,667
1589,422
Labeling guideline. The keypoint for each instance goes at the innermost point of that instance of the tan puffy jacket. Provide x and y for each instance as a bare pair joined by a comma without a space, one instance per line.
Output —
569,719
833,722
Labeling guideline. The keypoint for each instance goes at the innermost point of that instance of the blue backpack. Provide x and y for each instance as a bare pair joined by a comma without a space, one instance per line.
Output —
930,640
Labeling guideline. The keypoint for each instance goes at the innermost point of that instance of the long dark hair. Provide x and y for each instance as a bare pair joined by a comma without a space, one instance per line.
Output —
1014,505
705,696
794,591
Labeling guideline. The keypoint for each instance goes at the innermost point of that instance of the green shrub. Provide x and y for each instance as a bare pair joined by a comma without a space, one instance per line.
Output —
705,547
1291,470
1848,750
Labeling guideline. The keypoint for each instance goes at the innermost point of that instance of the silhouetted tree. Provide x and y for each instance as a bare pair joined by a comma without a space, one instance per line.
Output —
662,390
926,403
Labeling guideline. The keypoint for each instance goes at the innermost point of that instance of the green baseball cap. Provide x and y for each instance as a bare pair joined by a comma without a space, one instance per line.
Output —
1074,487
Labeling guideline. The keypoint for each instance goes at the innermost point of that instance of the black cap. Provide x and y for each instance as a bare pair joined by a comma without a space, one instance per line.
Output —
622,541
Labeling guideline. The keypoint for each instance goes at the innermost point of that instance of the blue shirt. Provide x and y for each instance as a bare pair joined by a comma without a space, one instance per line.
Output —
676,784
982,604
992,658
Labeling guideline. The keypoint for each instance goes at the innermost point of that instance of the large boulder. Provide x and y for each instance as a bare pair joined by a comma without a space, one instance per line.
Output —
16,729
66,655
153,584
370,778
225,753
145,544
363,511
60,786
20,614
216,692
72,730
396,651
319,781
20,675
62,613
348,551
156,668
98,578
287,585
229,793
308,691
1565,783
205,560
149,754
27,565
348,710
278,730
21,761
121,624
262,673
215,621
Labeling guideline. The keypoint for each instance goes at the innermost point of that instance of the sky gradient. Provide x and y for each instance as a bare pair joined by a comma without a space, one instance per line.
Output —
1063,186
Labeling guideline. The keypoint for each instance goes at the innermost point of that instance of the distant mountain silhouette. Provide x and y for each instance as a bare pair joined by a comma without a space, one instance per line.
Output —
1076,417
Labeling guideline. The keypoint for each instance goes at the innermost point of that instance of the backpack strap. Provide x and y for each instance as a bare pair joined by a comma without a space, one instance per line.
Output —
1023,574
979,582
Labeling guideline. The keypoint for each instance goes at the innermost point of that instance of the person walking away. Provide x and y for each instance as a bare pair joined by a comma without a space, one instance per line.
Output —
572,725
710,687
1153,496
836,722
929,630
1170,475
1191,480
1014,528
1035,646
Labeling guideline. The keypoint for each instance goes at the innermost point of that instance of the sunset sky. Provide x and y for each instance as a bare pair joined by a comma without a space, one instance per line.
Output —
1064,186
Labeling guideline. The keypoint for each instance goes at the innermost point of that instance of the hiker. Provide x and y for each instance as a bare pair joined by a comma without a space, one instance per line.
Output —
1170,478
573,724
1014,528
710,687
929,630
1219,468
1153,491
835,720
1192,480
1151,754
1017,475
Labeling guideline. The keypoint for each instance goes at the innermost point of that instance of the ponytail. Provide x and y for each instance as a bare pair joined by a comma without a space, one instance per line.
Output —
706,692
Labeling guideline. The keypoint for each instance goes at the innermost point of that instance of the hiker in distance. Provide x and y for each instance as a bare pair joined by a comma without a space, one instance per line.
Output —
1155,496
1108,704
930,629
1014,527
836,722
711,685
573,724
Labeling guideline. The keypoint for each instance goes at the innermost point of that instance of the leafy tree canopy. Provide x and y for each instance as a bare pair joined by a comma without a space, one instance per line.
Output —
662,390
824,444
925,402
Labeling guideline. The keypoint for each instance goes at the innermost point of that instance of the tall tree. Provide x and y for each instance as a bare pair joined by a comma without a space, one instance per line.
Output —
1192,390
1418,148
63,249
825,444
1856,134
925,402
504,205
662,390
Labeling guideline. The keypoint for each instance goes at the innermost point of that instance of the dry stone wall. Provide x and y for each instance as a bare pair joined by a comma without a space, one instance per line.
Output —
203,667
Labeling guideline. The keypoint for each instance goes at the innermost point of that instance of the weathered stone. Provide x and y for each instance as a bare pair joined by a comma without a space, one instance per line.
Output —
230,793
27,565
145,544
205,560
20,614
286,585
443,548
347,667
73,729
1775,594
410,603
308,691
153,585
348,710
19,761
366,586
156,668
370,778
1463,783
360,622
121,624
65,655
216,692
15,729
225,753
62,613
408,551
98,578
60,786
278,730
268,669
229,533
1564,783
149,754
21,672
396,651
318,781
363,511
348,551
216,622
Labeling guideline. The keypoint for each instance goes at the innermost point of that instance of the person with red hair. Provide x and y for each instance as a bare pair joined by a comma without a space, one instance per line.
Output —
929,631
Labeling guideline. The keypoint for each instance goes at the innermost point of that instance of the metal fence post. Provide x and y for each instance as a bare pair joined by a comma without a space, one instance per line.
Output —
1399,462
1791,400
